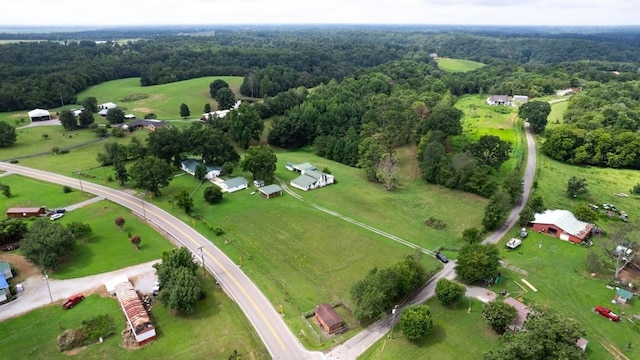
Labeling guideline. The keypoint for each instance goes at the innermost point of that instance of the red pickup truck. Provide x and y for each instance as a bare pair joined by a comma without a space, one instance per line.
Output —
75,299
606,312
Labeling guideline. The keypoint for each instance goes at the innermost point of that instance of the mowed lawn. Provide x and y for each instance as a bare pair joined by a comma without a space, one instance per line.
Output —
213,331
30,192
163,100
297,255
458,65
558,270
457,333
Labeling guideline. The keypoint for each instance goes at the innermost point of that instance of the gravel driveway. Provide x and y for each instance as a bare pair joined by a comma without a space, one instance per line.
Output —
35,293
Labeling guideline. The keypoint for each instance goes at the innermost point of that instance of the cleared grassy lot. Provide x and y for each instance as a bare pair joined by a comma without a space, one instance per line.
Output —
458,65
456,331
163,100
29,192
213,331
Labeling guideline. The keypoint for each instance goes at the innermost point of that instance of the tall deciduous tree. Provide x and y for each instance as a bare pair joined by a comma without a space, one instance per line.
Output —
67,120
499,314
490,150
90,104
214,87
122,175
477,262
449,292
184,201
513,186
167,143
547,336
207,108
184,111
85,118
151,174
496,210
416,321
536,113
443,118
261,162
115,116
213,195
225,98
46,243
180,286
244,125
8,134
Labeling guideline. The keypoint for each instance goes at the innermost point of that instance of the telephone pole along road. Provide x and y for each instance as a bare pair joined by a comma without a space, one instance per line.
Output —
279,340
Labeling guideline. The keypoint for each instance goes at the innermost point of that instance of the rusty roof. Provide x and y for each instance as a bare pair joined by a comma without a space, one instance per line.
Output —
137,316
26,210
329,315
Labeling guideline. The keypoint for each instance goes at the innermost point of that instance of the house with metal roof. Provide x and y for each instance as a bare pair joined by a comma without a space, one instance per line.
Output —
498,100
189,166
107,106
5,269
235,184
563,225
149,124
312,179
270,191
26,212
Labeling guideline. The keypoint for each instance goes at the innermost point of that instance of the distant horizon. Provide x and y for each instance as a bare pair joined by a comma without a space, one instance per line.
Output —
112,13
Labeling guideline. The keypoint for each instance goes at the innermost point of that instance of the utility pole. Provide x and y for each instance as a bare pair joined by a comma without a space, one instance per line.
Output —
46,279
393,320
144,212
202,258
80,180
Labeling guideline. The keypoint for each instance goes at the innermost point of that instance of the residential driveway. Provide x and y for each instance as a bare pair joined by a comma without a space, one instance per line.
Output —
480,293
54,122
36,295
84,203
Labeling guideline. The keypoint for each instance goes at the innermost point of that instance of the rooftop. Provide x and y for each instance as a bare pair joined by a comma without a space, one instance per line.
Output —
329,315
237,181
270,189
565,220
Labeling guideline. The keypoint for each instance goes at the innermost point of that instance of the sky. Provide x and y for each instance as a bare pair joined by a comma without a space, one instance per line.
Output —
224,12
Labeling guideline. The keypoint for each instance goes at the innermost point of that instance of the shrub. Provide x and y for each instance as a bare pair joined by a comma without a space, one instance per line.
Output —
64,151
13,161
45,136
213,195
150,116
66,189
117,132
636,189
90,331
93,126
55,150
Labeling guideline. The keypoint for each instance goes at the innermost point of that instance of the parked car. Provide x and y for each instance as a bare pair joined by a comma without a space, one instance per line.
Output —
56,216
606,312
73,301
524,233
59,211
513,243
593,207
440,256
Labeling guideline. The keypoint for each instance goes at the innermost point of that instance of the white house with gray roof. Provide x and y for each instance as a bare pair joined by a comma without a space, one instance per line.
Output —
189,166
235,184
312,179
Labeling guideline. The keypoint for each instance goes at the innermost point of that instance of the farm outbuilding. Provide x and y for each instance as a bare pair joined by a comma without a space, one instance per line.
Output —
39,115
107,106
270,191
26,212
522,309
328,319
623,296
149,124
137,317
498,100
5,269
563,225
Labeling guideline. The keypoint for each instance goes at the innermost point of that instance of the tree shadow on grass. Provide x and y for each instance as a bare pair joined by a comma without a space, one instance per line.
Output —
437,335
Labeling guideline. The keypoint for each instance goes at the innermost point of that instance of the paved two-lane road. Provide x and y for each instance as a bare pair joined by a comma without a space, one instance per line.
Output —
273,331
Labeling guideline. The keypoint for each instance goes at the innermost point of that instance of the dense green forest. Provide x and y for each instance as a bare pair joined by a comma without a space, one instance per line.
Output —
273,60
355,94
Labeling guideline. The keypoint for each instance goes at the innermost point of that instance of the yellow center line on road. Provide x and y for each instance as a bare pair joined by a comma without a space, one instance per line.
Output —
91,186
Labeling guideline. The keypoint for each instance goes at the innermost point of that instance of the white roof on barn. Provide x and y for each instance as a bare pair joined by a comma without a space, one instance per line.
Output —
565,220
108,105
38,113
111,283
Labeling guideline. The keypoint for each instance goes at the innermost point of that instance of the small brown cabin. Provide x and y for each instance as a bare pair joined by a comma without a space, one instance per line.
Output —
328,319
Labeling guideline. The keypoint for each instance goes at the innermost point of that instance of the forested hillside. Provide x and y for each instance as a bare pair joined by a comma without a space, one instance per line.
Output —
274,60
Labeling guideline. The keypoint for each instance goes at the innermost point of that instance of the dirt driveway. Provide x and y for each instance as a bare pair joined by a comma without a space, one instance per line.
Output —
36,294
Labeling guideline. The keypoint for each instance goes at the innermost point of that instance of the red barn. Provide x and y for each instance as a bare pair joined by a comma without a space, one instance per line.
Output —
328,318
563,225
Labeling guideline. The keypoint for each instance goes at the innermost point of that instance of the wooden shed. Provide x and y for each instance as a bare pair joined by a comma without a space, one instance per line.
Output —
26,212
328,319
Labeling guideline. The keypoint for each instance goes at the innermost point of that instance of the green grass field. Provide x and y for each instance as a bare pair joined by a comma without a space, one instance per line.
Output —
557,110
213,331
456,331
163,100
458,65
29,192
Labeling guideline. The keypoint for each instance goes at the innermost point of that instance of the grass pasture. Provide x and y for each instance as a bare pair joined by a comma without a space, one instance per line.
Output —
163,100
33,335
456,331
458,65
557,110
30,192
557,269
